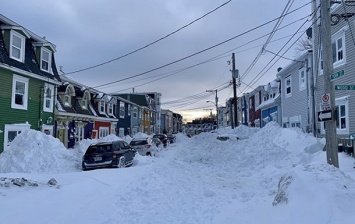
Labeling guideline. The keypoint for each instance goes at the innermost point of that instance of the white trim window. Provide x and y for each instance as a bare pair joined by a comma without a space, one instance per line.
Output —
69,92
11,131
48,100
79,133
17,46
85,100
338,47
341,117
102,106
19,92
113,128
135,112
302,78
122,110
46,58
288,88
103,132
110,108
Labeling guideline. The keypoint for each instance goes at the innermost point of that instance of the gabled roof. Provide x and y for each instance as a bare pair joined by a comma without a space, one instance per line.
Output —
30,64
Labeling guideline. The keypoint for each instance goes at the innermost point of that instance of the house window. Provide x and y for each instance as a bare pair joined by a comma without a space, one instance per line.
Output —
19,92
257,101
103,132
110,108
79,131
48,98
338,47
102,106
140,114
341,117
288,86
69,92
85,101
302,78
340,111
11,131
45,59
17,49
129,109
122,110
135,112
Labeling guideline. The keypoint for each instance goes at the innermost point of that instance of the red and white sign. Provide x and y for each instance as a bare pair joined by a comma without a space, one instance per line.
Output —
326,101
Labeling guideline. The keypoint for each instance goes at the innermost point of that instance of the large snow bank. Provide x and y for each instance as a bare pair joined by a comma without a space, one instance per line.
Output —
35,152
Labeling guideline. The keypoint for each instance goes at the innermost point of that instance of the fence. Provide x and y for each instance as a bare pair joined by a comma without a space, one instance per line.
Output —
346,145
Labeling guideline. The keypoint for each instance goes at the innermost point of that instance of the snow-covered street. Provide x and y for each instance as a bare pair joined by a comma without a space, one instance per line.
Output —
196,180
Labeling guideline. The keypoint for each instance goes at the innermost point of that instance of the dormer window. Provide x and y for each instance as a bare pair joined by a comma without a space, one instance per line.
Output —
85,101
102,106
48,98
110,109
17,48
69,92
46,56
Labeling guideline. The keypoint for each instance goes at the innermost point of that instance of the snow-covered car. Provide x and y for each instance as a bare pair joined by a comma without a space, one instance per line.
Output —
108,154
171,138
143,146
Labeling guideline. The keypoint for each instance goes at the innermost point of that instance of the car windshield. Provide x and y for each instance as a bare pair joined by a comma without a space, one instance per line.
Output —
138,142
99,149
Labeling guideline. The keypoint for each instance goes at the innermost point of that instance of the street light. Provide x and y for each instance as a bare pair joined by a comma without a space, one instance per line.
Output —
216,110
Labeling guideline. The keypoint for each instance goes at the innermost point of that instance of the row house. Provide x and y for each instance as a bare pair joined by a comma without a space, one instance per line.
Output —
343,67
147,112
270,106
28,82
177,123
254,101
297,95
82,113
166,121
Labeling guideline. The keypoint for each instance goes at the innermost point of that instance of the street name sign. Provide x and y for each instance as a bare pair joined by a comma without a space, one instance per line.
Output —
344,87
325,115
337,74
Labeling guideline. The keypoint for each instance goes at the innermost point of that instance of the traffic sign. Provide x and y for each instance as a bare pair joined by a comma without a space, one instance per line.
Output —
344,87
325,115
326,101
337,74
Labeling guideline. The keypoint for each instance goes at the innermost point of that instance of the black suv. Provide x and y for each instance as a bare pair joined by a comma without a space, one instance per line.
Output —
108,154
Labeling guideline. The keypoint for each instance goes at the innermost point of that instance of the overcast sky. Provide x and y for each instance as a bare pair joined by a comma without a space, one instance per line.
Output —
91,32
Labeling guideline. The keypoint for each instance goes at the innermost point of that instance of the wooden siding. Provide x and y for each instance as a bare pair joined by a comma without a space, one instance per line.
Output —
297,103
34,112
348,67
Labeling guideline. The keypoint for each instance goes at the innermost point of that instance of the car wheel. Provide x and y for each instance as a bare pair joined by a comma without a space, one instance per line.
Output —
122,162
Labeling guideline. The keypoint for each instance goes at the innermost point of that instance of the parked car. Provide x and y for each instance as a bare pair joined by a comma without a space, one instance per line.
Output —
108,154
156,141
143,145
163,138
171,138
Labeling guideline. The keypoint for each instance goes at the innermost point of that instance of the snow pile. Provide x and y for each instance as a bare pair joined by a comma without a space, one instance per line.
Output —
35,152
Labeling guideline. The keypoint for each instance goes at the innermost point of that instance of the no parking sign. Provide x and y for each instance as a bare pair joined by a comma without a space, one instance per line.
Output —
326,101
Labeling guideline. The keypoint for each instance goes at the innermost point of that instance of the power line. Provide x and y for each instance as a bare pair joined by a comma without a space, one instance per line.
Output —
199,52
279,21
154,42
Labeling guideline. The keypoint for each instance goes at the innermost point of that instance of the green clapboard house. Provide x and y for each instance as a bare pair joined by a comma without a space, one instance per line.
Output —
28,78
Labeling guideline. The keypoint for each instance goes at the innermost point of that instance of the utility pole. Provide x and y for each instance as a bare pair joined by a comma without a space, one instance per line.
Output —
330,126
234,76
216,104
